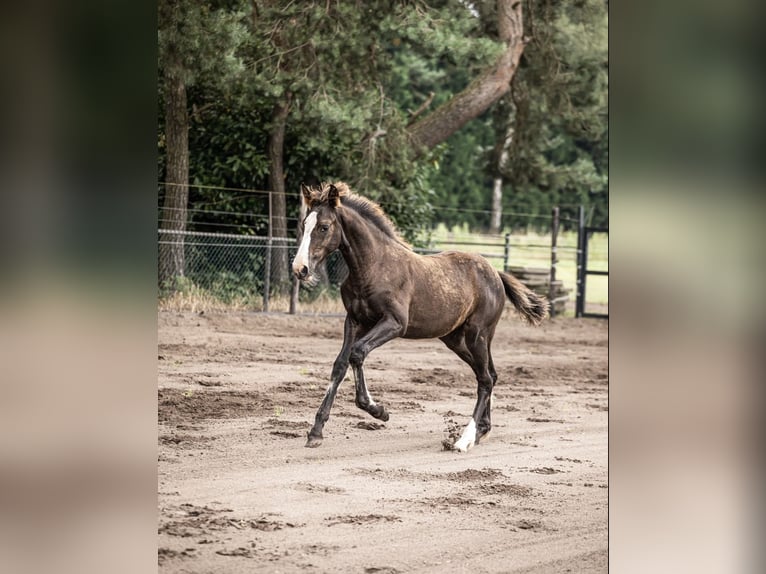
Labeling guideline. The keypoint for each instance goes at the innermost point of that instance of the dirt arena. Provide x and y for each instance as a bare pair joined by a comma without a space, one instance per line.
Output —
238,492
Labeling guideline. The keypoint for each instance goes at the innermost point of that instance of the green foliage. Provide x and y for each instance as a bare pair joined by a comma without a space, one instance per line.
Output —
462,179
198,39
354,73
560,149
558,110
224,150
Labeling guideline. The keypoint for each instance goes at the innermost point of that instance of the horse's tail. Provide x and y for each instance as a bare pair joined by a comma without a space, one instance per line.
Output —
532,306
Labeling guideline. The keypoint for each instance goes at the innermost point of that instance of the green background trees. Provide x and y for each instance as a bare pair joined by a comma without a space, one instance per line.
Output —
412,103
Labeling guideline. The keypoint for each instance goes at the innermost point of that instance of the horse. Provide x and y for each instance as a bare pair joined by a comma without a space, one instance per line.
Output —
391,292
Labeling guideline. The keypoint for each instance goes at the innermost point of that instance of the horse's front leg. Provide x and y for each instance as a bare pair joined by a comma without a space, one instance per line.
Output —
387,329
339,369
363,399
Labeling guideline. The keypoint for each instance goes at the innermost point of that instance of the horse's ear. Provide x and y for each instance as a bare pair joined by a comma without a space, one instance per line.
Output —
333,196
306,191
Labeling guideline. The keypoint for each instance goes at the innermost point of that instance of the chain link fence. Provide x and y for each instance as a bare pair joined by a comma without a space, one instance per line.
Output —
227,256
200,270
240,271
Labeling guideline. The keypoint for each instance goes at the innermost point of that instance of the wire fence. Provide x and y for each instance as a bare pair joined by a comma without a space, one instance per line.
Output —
224,270
242,271
242,210
225,255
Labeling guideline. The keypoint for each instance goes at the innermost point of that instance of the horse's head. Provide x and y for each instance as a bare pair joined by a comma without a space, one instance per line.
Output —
321,231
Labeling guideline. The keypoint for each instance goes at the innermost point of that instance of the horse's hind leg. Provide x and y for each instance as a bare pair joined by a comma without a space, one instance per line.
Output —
477,343
484,426
455,341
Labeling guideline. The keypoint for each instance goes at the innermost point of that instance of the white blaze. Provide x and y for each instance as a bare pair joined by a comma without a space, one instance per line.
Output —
468,438
302,259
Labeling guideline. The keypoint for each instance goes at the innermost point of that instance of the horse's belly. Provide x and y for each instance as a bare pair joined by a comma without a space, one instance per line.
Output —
436,322
420,332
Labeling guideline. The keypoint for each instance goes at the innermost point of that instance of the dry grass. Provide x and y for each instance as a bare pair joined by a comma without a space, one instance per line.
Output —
195,299
323,304
198,300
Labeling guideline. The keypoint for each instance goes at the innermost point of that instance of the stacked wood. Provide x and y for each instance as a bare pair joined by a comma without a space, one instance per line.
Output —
538,280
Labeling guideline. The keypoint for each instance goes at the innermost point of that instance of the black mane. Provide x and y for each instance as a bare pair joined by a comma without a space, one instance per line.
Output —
372,212
366,208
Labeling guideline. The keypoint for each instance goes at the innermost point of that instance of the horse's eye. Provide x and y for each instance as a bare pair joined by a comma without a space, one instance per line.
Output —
324,228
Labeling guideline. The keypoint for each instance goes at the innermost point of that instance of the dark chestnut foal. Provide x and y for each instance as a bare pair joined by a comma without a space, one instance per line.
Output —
391,292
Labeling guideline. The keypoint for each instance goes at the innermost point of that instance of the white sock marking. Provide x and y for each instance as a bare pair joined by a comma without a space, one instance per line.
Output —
468,438
369,398
302,258
366,392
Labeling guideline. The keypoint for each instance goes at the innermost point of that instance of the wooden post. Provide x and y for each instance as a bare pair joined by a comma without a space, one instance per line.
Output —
294,295
554,259
507,253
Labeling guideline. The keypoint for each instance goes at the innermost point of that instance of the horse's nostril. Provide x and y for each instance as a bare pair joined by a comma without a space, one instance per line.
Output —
304,272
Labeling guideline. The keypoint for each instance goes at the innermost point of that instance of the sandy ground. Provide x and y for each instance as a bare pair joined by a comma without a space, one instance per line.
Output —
238,492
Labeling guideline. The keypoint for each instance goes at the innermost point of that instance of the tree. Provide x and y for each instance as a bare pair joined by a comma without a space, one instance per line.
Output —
381,95
176,140
503,140
173,218
323,72
335,59
296,66
196,41
486,89
559,153
277,198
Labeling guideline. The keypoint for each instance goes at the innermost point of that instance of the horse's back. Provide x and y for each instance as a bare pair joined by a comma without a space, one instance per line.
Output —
468,270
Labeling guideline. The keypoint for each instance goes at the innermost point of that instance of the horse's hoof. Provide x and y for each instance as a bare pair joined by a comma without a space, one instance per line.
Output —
462,445
313,441
483,437
467,439
381,414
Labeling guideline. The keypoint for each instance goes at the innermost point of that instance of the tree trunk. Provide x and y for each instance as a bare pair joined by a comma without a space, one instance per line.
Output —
171,251
496,218
280,277
483,91
504,138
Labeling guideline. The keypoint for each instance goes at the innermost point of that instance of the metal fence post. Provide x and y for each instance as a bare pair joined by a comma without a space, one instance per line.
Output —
507,253
580,300
267,266
554,259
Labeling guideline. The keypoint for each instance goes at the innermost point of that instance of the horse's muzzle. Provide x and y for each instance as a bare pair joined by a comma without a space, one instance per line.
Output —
302,273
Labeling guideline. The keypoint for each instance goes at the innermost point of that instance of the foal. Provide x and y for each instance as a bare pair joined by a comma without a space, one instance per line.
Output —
391,292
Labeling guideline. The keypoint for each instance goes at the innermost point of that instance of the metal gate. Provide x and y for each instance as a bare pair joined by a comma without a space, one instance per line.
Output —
583,235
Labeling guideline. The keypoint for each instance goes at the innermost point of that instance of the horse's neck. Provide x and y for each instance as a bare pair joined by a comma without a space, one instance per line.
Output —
364,244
